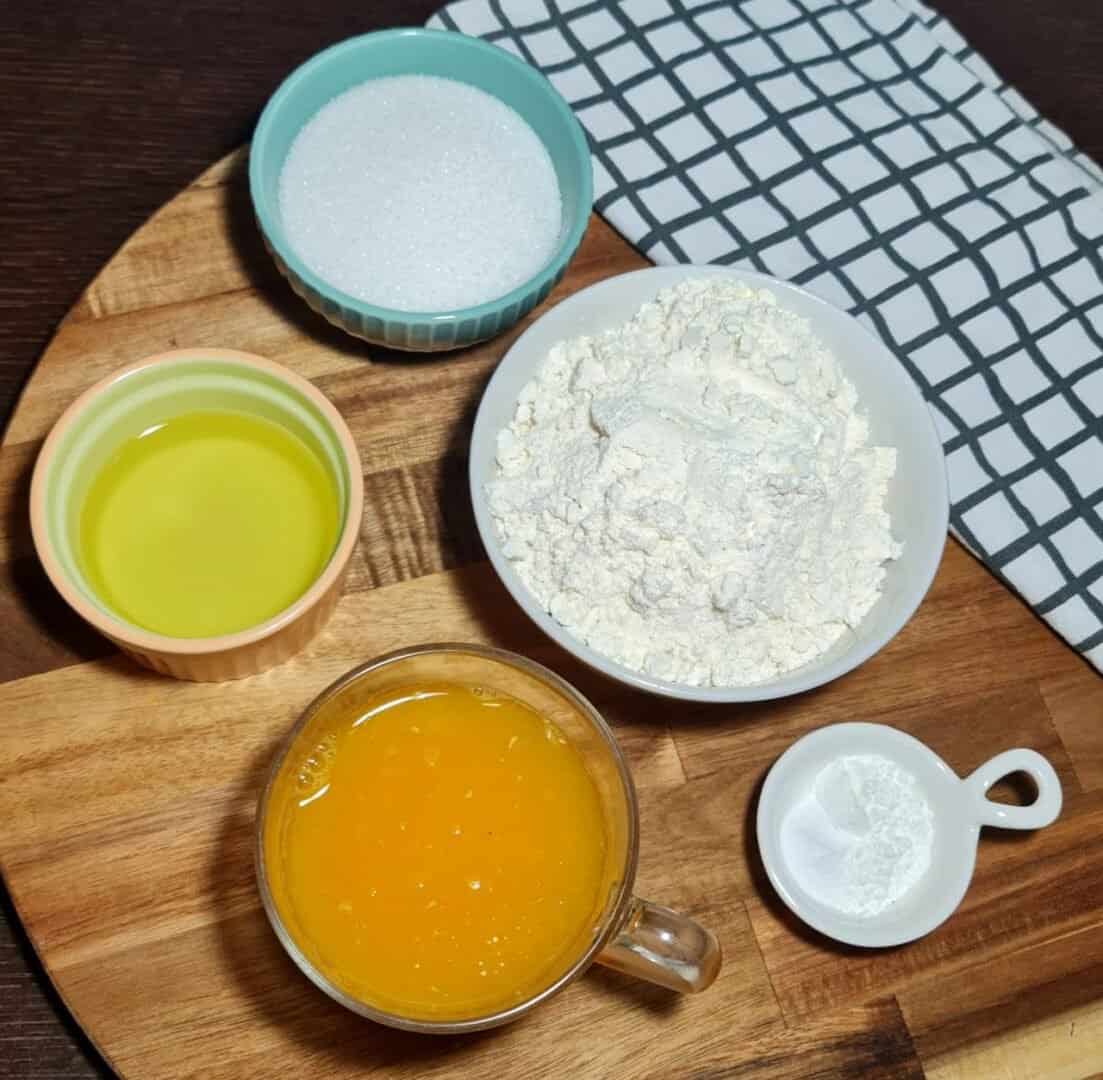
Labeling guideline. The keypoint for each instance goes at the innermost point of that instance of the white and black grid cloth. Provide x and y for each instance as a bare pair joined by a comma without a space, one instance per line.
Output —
861,149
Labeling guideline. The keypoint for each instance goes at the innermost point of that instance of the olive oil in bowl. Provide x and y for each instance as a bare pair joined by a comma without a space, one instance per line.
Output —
208,523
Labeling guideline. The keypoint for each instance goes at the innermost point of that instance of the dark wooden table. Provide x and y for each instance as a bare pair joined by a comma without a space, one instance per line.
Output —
107,110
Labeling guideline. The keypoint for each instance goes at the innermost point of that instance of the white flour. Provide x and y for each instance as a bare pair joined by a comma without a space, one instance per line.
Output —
862,838
692,494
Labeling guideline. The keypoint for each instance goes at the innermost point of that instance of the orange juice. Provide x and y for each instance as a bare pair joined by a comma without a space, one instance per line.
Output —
442,854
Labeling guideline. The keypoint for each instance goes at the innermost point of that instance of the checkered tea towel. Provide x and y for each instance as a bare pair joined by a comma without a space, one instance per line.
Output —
860,148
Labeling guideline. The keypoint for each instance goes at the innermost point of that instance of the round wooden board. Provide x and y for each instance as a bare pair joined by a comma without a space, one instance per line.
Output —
127,799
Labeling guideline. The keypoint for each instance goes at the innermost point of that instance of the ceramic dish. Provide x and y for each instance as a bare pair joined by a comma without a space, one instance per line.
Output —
144,394
917,498
420,52
959,808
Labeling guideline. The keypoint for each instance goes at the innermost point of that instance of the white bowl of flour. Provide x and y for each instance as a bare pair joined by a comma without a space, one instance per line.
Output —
709,484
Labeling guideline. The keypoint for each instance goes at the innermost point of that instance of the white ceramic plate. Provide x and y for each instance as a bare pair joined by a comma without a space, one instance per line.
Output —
959,808
898,416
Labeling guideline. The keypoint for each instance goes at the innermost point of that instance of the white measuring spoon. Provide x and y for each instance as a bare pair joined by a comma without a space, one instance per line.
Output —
959,808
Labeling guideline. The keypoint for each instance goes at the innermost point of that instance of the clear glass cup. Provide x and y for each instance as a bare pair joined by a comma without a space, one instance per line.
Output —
633,936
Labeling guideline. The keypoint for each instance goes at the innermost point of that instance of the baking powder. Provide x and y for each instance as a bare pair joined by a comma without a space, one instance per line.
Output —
693,494
862,837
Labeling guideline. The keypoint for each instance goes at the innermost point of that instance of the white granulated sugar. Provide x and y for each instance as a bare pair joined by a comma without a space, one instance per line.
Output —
420,194
692,494
861,839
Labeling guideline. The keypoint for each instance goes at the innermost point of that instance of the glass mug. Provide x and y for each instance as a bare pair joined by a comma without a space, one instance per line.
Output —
628,934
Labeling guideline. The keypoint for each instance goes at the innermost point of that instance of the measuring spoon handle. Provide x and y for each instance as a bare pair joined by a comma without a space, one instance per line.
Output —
1043,811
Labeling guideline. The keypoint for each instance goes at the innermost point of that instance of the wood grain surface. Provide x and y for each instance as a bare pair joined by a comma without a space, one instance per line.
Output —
128,798
104,113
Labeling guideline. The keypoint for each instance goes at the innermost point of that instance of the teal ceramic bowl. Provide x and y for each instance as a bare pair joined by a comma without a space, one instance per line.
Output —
419,52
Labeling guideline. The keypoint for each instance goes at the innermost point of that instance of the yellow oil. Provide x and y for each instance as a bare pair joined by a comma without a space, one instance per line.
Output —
442,854
207,524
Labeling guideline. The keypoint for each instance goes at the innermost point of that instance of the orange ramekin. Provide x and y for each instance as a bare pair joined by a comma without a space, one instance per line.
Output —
150,391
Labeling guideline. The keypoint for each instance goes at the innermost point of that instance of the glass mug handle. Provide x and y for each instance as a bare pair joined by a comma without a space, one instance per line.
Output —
661,946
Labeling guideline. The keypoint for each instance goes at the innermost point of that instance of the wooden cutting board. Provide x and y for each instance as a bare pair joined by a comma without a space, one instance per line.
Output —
126,799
